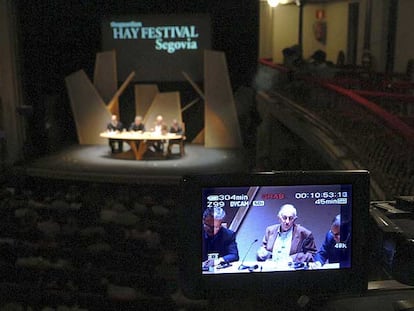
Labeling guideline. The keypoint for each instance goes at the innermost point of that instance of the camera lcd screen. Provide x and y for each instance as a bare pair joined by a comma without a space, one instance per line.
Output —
250,211
299,232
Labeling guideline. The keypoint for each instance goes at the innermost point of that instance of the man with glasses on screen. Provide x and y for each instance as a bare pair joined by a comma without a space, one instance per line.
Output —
219,243
287,242
333,250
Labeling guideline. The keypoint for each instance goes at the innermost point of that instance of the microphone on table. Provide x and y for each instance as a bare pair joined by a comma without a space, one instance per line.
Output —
223,264
242,266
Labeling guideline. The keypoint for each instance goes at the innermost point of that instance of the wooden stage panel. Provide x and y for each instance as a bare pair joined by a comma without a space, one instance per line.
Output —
90,112
144,96
168,105
221,122
105,75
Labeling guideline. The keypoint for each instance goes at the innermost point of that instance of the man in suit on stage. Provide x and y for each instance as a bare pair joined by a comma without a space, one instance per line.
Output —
217,238
115,126
334,249
287,241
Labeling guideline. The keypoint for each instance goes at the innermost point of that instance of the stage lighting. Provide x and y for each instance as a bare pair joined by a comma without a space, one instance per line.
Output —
273,3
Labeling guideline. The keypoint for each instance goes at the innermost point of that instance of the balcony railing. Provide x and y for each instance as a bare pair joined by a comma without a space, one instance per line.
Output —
374,124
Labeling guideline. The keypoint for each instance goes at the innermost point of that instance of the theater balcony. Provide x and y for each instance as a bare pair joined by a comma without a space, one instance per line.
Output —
351,117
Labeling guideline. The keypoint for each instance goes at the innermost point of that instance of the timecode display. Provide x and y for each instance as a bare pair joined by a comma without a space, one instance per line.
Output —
321,195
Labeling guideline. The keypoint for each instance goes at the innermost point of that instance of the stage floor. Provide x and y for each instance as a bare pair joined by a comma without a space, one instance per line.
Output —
95,163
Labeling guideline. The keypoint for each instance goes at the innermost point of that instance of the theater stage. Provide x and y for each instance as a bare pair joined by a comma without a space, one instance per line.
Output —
95,163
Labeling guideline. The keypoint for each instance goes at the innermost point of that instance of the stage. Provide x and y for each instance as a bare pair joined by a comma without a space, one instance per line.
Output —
95,163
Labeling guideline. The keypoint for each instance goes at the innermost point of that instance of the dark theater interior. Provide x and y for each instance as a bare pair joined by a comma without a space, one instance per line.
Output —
136,135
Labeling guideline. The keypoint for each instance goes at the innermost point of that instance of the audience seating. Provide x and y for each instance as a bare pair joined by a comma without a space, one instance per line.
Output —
98,247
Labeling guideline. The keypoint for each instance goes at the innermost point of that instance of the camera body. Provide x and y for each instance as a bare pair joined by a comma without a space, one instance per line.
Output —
392,233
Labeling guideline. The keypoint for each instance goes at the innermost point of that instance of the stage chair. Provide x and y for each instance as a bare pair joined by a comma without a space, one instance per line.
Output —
180,143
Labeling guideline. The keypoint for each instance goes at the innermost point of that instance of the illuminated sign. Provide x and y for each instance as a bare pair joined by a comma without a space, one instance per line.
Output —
166,38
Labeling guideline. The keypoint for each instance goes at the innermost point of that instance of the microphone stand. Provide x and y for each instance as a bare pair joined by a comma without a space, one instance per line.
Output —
242,266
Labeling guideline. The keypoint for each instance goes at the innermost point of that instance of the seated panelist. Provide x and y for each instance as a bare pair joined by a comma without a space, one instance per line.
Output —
115,126
176,128
218,239
334,249
137,125
287,241
160,128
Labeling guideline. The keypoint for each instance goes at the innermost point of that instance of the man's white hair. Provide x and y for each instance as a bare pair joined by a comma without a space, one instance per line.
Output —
287,209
